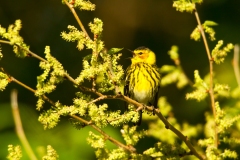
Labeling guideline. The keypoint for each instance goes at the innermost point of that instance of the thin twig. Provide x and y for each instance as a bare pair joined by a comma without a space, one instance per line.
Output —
70,6
82,87
167,124
236,64
29,52
211,73
6,42
97,99
106,136
178,133
19,127
29,88
21,84
180,155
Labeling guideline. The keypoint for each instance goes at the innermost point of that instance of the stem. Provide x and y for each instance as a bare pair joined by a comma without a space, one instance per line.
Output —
167,125
22,84
19,128
236,64
211,73
6,42
70,6
29,52
106,136
178,133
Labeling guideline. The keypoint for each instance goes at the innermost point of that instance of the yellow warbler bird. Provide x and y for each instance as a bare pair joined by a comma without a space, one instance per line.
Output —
143,78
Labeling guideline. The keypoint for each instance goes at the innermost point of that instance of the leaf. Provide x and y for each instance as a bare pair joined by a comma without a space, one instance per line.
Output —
197,1
210,23
87,57
114,50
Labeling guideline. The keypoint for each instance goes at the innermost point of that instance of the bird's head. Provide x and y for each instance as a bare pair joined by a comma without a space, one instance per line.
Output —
143,54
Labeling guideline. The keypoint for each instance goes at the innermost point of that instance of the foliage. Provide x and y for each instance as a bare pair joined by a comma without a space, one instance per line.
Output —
15,153
216,138
51,154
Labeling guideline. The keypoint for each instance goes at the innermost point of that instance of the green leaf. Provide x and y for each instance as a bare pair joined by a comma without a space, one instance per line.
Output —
197,1
210,23
114,50
87,57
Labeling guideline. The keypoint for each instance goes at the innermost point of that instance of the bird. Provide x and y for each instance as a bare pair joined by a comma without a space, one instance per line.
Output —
142,80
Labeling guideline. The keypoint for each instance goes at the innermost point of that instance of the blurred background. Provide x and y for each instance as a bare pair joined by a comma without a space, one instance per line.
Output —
129,24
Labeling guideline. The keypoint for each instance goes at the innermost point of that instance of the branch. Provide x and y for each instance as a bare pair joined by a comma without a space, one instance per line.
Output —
139,106
211,73
168,126
19,128
178,133
70,6
131,149
236,64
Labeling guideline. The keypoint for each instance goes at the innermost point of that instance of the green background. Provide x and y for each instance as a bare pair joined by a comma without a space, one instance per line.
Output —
129,24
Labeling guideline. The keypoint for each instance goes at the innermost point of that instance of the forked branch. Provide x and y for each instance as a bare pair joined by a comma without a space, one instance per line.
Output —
210,59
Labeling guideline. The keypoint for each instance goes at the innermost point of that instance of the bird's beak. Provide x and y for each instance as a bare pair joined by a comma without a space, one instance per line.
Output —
131,52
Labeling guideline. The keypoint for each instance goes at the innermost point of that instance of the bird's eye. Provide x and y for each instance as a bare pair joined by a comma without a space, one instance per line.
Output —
140,53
